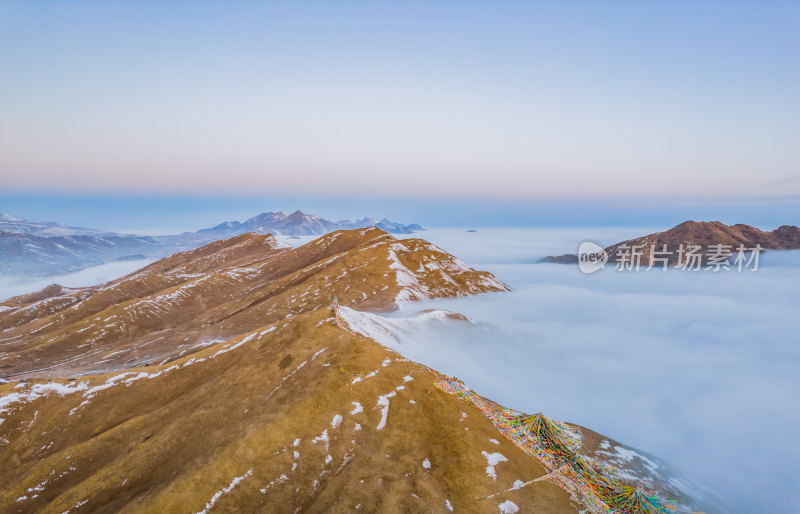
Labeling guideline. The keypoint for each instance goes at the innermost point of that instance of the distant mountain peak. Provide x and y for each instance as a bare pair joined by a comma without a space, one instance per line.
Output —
300,223
300,215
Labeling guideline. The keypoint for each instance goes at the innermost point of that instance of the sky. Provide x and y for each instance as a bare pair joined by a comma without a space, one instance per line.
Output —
494,101
171,214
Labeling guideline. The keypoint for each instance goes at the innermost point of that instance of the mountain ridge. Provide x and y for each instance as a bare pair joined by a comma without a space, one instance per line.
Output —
238,278
704,235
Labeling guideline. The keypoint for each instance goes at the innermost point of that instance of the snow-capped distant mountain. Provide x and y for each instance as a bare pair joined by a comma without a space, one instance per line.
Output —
36,255
46,248
383,224
9,223
295,224
299,223
42,248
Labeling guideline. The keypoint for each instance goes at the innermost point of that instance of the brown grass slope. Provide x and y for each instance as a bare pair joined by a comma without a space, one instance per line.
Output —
31,312
187,301
218,428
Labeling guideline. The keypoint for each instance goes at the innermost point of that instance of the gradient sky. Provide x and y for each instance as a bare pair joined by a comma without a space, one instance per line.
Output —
448,99
170,214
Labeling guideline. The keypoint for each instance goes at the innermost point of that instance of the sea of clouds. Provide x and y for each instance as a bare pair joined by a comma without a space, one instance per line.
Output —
17,285
698,368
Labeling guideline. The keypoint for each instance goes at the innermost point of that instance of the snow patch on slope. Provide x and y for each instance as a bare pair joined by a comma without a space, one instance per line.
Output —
508,507
383,404
385,330
225,490
492,460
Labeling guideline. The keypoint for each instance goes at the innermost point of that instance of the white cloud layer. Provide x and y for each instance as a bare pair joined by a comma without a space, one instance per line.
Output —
697,368
17,285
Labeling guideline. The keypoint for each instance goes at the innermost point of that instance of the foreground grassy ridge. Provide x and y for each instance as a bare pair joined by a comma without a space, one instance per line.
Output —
170,443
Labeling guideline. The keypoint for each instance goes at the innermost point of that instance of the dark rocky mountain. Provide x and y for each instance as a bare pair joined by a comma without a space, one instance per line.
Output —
704,236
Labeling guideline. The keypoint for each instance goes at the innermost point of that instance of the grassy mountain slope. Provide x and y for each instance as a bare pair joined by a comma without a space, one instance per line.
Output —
169,441
217,380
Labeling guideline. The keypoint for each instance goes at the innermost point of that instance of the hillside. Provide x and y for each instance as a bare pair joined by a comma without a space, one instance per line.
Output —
702,235
219,380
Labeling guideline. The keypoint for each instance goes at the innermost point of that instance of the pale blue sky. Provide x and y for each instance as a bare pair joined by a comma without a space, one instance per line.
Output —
169,214
427,99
